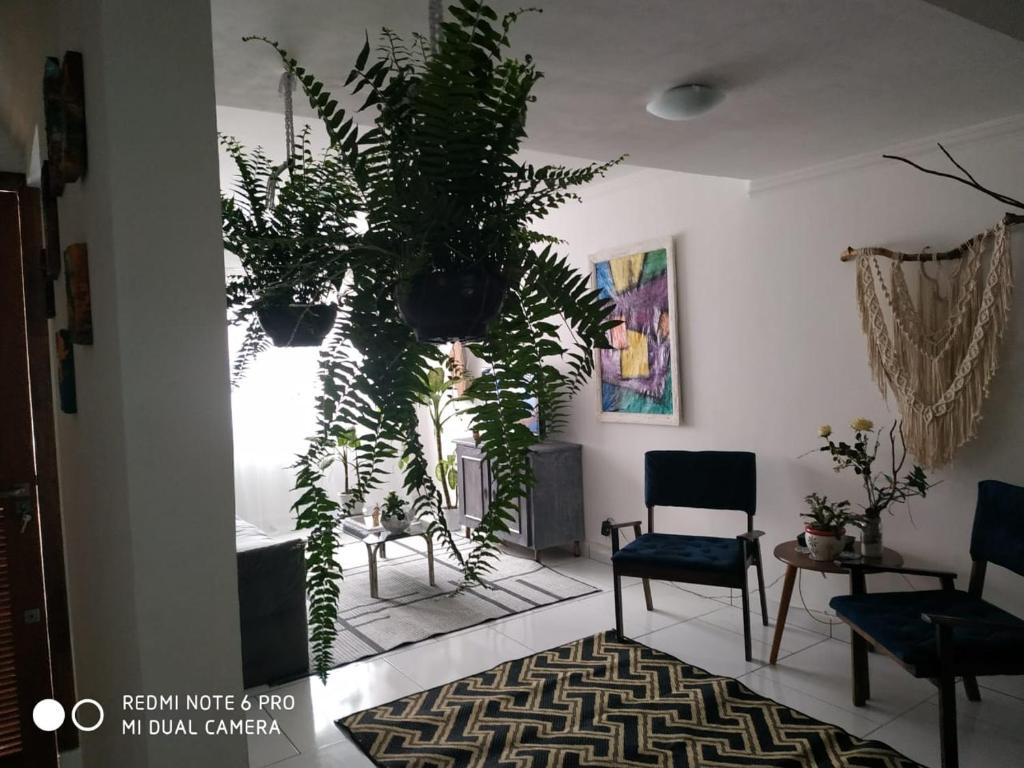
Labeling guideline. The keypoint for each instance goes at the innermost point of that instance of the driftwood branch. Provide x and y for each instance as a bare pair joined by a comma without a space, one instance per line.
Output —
852,253
968,179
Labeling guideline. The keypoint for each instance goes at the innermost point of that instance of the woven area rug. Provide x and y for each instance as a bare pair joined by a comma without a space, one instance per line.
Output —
411,610
601,702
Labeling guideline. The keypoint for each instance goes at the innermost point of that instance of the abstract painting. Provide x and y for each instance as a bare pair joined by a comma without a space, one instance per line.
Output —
639,372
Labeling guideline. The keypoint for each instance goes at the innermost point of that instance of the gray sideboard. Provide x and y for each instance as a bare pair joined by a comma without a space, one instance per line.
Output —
552,513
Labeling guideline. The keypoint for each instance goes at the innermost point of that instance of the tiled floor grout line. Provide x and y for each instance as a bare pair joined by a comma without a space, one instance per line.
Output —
897,717
784,654
996,690
419,688
285,734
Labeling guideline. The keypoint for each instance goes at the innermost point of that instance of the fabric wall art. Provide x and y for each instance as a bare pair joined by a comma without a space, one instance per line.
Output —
639,373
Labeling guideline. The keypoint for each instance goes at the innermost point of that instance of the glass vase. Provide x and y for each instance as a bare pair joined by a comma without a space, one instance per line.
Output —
871,538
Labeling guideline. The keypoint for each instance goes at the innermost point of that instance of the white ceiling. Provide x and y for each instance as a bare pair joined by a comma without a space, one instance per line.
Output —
808,81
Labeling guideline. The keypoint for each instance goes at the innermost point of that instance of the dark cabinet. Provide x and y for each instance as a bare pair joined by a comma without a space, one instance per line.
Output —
552,513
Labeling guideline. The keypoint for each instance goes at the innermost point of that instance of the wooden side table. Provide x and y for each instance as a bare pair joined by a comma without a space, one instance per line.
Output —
786,552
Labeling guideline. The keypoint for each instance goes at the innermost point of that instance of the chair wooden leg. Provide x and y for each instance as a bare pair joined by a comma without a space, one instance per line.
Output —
947,721
947,699
760,583
647,594
617,589
747,654
971,686
861,674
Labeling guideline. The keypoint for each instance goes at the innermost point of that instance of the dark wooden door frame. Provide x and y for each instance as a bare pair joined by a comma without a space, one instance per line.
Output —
44,432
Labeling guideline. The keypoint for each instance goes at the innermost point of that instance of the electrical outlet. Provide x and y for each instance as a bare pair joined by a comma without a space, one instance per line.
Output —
606,527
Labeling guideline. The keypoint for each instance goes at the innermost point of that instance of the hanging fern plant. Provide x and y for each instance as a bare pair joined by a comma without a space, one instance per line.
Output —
281,231
444,194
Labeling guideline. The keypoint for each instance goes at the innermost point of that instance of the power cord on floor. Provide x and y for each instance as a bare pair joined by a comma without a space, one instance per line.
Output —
800,591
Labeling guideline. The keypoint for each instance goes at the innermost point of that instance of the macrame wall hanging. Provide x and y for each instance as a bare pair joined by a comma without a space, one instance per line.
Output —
937,355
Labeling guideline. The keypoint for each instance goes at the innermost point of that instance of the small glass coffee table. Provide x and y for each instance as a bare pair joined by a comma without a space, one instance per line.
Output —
375,538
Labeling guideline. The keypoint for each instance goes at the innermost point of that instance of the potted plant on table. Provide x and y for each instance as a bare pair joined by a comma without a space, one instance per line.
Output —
825,530
281,222
393,515
882,489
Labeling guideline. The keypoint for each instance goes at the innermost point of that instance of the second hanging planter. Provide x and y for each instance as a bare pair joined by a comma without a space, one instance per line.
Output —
297,325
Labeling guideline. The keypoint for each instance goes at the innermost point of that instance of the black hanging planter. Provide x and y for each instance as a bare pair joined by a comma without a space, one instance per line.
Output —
297,325
455,305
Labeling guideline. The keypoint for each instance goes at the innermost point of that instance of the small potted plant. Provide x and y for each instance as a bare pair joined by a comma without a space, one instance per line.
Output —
825,529
394,516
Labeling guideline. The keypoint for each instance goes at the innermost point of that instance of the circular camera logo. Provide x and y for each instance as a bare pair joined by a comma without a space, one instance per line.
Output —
77,722
49,715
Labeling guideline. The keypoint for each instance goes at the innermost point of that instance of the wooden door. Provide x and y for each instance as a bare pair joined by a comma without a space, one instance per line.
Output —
25,673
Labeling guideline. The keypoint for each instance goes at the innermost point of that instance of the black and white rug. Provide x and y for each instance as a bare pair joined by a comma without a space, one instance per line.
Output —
411,610
603,703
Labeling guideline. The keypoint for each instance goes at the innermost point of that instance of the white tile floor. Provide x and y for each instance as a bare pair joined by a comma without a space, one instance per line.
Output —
703,629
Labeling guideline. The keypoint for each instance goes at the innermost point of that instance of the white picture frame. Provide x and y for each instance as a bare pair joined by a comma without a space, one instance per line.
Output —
633,397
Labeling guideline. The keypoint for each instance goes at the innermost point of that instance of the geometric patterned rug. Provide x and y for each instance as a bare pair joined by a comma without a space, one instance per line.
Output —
601,702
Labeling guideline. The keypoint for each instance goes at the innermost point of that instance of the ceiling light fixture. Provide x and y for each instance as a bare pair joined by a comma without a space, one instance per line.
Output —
684,102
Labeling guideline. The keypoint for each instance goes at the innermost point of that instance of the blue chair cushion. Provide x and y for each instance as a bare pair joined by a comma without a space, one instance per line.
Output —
893,620
694,553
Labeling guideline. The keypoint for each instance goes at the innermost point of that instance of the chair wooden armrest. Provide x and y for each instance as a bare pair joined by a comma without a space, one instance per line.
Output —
858,570
940,620
613,529
751,536
861,569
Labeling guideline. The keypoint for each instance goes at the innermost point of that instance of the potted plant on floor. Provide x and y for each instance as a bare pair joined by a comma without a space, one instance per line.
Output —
281,221
825,529
882,489
442,407
449,203
348,455
393,515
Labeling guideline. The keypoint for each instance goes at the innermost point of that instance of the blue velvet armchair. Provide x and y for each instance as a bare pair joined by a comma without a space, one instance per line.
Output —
725,480
945,633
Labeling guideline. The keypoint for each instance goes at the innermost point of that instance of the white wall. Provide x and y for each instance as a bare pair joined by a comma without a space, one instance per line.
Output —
145,465
771,345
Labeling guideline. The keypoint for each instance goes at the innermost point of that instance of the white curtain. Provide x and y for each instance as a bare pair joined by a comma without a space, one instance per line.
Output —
273,416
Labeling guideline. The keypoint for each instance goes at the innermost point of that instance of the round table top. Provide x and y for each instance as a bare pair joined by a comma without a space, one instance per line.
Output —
786,552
